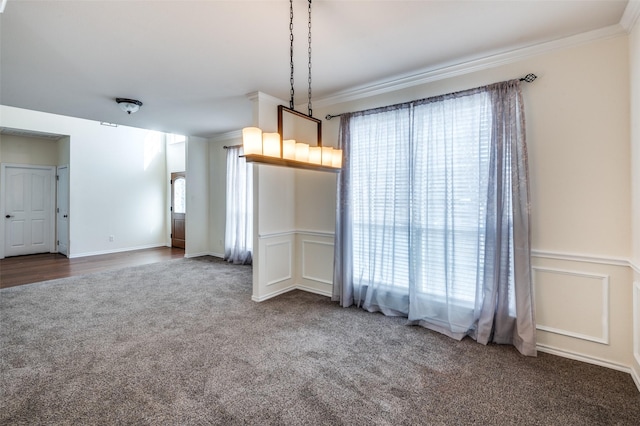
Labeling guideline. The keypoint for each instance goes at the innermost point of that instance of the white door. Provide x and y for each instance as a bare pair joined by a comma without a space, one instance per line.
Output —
62,210
28,208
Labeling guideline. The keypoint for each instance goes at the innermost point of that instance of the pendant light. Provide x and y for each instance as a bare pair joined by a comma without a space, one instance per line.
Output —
271,148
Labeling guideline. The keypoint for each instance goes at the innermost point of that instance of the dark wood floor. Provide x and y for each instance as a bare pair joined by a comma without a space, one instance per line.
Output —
41,267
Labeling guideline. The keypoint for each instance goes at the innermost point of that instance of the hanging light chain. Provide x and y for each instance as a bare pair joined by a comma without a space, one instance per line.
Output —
309,51
291,92
291,80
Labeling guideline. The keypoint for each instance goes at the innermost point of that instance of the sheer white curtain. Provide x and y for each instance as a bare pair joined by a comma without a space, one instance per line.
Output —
238,241
433,219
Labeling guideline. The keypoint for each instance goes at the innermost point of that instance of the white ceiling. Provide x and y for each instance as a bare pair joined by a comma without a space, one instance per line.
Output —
192,63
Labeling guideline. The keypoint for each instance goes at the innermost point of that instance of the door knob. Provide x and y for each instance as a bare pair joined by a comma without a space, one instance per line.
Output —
64,215
8,216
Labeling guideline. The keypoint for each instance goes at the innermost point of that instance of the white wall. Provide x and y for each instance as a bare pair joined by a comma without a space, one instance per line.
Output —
27,150
315,194
578,125
197,217
176,157
64,151
634,59
117,181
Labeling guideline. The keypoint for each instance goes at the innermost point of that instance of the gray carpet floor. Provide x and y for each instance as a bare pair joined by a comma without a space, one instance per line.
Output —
181,343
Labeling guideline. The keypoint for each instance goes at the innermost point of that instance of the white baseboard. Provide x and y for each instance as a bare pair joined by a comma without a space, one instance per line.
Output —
273,294
312,290
635,375
288,289
590,360
120,250
191,255
220,255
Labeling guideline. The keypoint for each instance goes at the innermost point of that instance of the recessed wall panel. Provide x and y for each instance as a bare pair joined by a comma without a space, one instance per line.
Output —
572,303
317,262
279,263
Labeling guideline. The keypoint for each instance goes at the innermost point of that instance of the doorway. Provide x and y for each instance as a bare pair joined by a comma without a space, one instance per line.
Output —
178,209
28,209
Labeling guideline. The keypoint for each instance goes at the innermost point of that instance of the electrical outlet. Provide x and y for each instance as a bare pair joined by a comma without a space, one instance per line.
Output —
111,238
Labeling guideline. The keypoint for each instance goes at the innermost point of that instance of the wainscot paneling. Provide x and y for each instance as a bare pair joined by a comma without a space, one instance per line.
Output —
275,266
584,307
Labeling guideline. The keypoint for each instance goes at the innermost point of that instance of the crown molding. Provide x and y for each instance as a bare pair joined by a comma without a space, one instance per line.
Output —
631,15
235,134
469,65
261,96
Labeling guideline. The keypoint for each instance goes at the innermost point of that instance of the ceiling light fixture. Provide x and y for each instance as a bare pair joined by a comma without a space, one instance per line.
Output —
128,105
271,148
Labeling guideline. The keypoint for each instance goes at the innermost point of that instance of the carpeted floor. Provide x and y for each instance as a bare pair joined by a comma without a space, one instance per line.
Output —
181,343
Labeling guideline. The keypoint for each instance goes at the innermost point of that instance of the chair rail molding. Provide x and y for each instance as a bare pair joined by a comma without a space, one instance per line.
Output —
581,257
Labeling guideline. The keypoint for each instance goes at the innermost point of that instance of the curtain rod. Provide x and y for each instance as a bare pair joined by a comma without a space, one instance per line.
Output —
232,146
529,78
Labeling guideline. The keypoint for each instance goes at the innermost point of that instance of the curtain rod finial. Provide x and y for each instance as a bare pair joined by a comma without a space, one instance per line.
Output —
529,78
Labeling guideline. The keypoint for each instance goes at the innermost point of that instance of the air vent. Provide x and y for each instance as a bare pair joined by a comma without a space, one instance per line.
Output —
29,134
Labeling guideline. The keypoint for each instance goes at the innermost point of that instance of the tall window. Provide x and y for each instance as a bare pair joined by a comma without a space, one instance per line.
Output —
238,240
180,195
426,218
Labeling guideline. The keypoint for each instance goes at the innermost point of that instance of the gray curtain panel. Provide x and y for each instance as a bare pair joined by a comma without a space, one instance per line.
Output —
432,218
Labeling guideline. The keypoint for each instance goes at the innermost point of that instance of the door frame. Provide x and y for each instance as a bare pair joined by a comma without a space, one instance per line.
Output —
52,201
57,209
